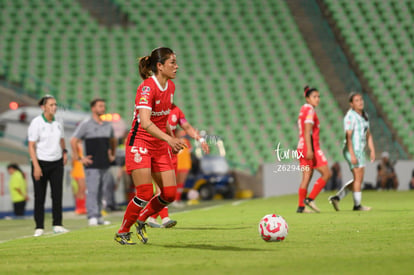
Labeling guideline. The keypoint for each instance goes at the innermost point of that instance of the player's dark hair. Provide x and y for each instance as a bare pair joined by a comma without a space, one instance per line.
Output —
96,100
351,99
307,90
352,95
147,65
15,167
44,99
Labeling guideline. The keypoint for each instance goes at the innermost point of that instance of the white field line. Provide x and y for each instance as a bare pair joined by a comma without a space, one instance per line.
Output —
51,234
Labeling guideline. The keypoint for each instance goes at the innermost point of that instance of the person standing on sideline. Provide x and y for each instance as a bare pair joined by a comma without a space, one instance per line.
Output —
48,155
78,175
310,154
357,134
148,148
18,189
100,146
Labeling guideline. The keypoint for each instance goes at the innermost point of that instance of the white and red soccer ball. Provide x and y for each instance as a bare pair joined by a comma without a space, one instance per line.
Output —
273,228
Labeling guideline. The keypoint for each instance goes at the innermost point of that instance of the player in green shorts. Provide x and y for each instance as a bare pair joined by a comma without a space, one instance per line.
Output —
357,135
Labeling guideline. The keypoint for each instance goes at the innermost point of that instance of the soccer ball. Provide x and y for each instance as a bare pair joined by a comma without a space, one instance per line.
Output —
273,228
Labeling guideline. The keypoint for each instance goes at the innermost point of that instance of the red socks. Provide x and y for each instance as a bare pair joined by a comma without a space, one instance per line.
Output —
164,212
317,188
80,206
180,188
144,193
157,203
302,196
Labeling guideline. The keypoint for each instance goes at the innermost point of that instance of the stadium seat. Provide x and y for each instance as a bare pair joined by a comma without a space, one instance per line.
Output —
247,59
386,55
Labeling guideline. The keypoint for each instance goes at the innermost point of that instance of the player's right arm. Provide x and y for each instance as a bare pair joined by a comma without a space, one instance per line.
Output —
309,120
350,147
37,171
33,137
308,142
189,129
349,124
146,124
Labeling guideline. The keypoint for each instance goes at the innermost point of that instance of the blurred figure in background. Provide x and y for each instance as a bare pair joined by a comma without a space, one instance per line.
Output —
79,186
386,178
48,154
411,183
181,161
100,146
18,189
335,182
357,136
311,156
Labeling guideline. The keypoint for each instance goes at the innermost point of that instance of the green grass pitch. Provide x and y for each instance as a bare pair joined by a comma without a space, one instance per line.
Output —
223,238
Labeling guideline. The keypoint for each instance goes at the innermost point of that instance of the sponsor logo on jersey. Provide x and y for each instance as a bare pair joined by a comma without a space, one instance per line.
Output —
146,89
161,113
143,100
174,118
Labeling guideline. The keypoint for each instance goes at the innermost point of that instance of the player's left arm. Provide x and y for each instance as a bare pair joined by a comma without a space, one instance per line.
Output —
64,151
371,145
189,129
112,145
112,149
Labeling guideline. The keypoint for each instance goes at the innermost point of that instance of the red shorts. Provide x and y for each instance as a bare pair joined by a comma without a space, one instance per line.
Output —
174,160
143,155
318,160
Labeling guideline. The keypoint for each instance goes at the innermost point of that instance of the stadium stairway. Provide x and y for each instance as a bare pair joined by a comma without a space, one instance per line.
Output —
377,37
339,74
106,12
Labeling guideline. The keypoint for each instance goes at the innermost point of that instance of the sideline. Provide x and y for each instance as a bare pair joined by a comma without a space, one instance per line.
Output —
116,217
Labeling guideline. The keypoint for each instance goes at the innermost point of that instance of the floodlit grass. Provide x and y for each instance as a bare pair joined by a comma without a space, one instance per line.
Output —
224,239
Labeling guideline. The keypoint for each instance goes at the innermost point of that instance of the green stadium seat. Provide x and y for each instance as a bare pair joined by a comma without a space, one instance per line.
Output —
83,59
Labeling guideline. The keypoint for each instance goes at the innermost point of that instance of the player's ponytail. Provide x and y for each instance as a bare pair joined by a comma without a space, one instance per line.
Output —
144,67
147,65
307,91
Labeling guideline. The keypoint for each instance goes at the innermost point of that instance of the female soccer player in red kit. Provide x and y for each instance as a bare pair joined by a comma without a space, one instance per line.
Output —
176,118
310,154
148,146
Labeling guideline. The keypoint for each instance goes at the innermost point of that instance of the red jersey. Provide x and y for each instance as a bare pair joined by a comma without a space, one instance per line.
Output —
175,118
151,96
307,114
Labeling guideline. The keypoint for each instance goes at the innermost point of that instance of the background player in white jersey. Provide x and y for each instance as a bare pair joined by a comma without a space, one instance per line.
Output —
357,135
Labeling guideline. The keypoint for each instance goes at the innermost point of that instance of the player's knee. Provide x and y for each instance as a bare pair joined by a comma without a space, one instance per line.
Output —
168,194
144,192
